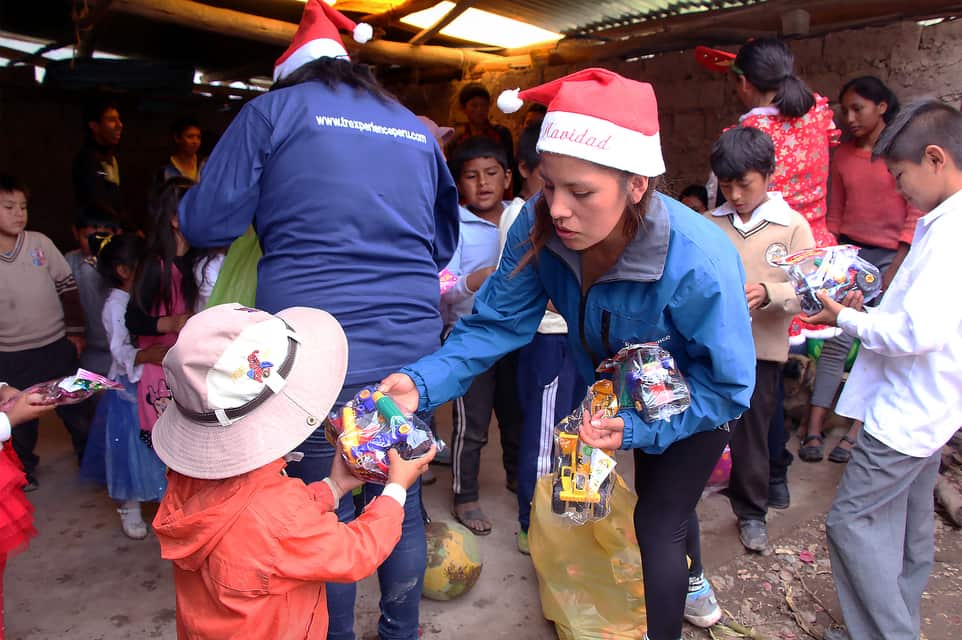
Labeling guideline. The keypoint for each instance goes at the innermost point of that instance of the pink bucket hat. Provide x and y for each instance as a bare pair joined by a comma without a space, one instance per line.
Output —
248,387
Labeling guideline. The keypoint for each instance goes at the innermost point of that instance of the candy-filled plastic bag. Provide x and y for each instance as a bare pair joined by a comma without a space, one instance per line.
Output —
833,270
369,426
69,390
447,280
583,475
645,376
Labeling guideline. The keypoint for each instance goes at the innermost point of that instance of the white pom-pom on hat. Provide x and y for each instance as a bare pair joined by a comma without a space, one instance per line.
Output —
509,101
363,32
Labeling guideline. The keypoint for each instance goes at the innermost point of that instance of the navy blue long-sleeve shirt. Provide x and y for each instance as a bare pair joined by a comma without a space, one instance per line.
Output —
355,210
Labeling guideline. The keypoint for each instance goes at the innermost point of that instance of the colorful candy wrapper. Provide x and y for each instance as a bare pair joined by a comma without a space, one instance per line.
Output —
448,280
369,426
645,376
833,270
68,390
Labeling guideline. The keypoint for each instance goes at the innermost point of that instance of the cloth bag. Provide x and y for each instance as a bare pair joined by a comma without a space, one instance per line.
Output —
589,576
237,280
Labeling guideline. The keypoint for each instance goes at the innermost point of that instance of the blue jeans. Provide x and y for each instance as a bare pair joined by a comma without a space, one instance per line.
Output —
401,577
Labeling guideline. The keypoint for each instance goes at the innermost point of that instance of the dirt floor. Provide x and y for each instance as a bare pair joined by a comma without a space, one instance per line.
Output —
82,579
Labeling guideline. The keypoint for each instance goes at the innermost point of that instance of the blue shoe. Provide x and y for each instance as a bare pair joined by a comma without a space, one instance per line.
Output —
701,607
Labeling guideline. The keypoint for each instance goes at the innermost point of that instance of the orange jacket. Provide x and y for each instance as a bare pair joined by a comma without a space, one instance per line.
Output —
252,553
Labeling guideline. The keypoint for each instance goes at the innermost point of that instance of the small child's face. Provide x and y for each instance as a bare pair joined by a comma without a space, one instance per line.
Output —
747,192
918,182
13,213
694,203
476,109
482,184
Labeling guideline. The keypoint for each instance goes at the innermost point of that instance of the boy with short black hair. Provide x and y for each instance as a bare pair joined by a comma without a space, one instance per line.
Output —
481,170
764,229
475,102
906,386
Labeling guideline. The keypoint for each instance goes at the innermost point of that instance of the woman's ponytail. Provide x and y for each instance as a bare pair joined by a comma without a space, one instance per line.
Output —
794,99
768,64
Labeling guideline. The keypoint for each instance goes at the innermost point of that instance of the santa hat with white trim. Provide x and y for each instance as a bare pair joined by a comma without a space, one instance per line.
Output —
317,37
599,116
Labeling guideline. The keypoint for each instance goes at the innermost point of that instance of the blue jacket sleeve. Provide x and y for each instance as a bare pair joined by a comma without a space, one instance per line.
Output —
446,216
219,209
710,312
507,311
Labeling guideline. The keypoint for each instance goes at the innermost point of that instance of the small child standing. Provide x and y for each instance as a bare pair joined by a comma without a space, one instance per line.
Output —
764,229
905,386
481,170
41,320
252,548
116,454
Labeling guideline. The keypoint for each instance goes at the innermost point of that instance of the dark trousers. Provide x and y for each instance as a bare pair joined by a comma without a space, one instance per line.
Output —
495,389
748,486
780,458
669,486
24,368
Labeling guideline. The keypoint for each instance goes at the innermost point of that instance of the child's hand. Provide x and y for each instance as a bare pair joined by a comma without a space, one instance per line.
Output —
602,433
756,294
27,407
342,477
402,390
78,341
830,309
406,472
477,278
153,354
7,392
172,324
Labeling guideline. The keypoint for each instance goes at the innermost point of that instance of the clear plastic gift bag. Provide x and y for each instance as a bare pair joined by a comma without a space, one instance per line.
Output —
67,390
836,271
646,377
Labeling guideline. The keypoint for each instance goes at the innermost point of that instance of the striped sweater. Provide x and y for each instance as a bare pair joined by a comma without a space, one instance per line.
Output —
39,302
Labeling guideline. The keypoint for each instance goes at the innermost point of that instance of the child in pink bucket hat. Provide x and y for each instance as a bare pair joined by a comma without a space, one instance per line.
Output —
251,547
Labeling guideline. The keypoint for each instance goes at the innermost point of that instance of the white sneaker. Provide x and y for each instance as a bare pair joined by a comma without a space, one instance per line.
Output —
131,521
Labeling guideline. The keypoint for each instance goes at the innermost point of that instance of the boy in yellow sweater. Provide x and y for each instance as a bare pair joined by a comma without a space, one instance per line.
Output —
764,229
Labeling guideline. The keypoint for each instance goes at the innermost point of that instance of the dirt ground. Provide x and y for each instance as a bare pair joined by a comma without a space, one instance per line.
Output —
82,579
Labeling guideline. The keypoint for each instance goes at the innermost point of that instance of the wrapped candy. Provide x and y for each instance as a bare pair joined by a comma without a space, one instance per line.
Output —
645,376
68,390
833,270
583,475
369,426
447,280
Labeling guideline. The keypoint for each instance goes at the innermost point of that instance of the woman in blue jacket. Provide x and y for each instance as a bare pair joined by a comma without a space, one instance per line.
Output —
623,264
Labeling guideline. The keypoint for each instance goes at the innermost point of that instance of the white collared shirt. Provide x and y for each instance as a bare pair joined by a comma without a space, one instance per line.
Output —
775,210
906,384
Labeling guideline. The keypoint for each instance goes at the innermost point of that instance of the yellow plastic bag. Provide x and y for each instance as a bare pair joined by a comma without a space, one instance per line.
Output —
237,280
589,576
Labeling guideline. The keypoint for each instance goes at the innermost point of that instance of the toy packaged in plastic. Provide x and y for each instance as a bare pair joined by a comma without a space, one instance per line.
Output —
447,280
833,270
68,390
583,475
370,425
645,376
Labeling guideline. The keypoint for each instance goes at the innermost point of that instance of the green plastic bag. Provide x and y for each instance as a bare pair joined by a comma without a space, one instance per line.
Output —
237,280
813,348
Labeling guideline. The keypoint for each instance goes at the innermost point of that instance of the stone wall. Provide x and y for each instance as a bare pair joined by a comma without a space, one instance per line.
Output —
695,104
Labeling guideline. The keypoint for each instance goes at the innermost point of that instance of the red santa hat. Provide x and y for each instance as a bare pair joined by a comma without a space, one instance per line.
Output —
599,116
317,37
714,59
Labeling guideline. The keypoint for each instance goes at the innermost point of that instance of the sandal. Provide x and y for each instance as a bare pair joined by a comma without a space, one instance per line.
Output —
842,454
473,515
811,452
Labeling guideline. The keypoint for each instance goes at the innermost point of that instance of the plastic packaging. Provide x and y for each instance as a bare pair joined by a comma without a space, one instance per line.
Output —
583,475
69,390
833,270
645,376
370,425
447,280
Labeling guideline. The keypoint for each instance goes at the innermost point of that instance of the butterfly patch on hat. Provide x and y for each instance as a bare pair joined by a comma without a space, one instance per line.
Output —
258,370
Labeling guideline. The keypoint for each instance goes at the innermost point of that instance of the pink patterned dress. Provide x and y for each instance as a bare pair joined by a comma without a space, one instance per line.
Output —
153,394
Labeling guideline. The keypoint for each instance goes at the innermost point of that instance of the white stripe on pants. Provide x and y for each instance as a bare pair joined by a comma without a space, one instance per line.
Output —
549,397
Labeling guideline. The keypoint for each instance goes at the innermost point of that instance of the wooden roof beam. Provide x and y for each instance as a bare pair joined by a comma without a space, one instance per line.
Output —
452,15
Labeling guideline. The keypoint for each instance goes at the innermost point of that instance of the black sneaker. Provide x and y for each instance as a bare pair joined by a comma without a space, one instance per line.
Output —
753,534
32,484
778,495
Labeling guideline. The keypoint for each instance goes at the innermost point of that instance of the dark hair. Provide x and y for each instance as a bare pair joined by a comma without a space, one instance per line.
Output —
157,266
182,124
473,90
10,183
95,109
334,72
536,107
93,215
528,147
873,90
769,64
476,147
695,191
922,123
740,150
113,251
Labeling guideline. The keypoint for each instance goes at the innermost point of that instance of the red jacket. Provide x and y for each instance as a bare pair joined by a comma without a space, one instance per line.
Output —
252,553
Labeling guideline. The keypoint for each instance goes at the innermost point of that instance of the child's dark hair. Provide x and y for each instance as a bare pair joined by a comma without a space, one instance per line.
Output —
476,147
922,123
536,107
182,124
473,90
10,183
113,251
740,150
335,72
695,191
873,90
95,109
769,64
528,147
155,271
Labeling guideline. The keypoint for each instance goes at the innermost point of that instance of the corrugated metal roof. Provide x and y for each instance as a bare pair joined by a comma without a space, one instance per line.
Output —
586,16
